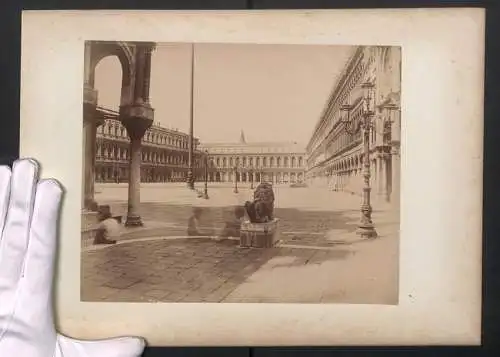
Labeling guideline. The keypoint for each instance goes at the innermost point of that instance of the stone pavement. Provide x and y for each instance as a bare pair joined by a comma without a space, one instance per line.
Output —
319,260
201,270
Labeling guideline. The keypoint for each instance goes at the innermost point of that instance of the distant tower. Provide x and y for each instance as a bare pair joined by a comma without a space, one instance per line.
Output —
242,138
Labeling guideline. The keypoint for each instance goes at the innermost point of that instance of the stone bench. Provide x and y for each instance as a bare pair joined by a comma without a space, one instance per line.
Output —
259,235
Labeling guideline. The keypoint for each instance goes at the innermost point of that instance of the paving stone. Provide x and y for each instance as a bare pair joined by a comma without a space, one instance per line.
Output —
204,270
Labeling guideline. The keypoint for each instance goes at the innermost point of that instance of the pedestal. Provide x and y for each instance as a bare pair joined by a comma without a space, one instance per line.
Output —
89,224
259,235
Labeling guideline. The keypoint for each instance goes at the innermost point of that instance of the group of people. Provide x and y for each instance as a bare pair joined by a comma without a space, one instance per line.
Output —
260,210
231,227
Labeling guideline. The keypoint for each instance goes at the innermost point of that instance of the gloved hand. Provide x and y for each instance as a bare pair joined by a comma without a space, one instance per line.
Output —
29,211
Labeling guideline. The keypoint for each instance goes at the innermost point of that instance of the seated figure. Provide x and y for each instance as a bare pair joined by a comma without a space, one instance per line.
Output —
108,227
195,228
232,228
193,222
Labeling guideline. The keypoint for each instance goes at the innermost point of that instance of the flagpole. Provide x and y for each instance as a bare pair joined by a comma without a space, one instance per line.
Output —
190,177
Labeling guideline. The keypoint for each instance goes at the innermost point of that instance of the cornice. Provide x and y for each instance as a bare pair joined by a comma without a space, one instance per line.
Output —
339,86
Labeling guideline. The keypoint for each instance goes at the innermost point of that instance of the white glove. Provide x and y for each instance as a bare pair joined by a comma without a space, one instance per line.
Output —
29,212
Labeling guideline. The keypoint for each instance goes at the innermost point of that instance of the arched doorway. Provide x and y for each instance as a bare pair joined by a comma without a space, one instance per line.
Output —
135,111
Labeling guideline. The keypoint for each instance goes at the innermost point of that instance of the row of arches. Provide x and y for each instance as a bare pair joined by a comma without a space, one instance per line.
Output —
259,161
113,151
113,128
256,177
119,173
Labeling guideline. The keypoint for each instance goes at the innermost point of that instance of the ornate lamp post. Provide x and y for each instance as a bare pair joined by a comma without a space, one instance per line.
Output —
235,168
205,192
366,228
250,171
190,177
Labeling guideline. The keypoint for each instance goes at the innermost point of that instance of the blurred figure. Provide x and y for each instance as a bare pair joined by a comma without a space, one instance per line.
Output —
233,227
194,222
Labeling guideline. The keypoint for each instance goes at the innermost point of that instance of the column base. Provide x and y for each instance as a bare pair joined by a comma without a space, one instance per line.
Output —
366,230
235,190
134,221
384,197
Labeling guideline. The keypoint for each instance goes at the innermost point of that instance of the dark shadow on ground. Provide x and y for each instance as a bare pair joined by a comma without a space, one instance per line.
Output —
297,226
185,270
311,256
180,270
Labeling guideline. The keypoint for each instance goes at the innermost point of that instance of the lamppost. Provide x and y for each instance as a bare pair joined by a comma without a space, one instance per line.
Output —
366,228
205,193
190,177
235,168
250,171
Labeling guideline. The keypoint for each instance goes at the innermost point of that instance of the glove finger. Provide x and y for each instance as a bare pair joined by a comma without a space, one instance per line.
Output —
114,347
14,241
37,281
5,175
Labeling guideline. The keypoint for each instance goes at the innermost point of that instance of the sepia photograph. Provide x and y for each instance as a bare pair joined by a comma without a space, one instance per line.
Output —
246,173
302,178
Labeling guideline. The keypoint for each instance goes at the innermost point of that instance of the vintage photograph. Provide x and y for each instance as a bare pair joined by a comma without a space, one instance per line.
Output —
246,173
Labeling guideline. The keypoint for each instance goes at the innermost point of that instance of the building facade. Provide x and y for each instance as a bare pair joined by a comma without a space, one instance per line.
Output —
276,162
335,150
164,154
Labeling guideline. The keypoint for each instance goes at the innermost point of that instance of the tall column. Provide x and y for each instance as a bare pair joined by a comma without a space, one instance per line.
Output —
84,165
396,160
383,192
137,117
134,184
90,123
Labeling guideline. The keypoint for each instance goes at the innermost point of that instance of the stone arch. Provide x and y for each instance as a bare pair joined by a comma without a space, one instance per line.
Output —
385,54
125,54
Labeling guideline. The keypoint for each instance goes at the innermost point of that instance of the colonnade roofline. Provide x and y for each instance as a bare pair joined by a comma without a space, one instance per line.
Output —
256,143
113,115
255,148
336,90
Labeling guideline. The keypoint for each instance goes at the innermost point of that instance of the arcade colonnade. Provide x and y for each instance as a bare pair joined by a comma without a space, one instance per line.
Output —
135,114
280,169
335,155
276,162
164,155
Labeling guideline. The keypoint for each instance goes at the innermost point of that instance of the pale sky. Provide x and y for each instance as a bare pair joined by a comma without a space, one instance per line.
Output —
271,92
